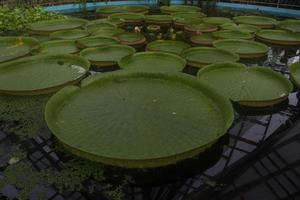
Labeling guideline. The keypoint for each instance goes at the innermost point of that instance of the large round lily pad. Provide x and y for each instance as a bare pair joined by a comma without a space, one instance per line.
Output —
69,34
95,41
129,18
216,20
41,74
260,21
16,47
233,34
109,10
205,39
108,55
97,25
50,26
161,20
279,37
290,25
180,22
59,47
179,8
253,87
116,21
169,46
107,32
188,14
201,56
240,27
200,28
131,38
138,120
295,73
244,48
153,61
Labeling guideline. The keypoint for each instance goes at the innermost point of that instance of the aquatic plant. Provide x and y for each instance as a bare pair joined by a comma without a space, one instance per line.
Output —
15,21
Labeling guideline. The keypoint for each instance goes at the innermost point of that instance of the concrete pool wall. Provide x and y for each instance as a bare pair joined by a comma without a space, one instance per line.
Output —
282,12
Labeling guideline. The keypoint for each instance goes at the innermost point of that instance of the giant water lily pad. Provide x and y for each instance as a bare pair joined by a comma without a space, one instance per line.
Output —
106,56
188,14
205,39
290,25
153,61
260,21
59,47
170,118
97,25
179,8
50,26
180,22
109,10
16,47
41,74
200,28
129,18
254,87
95,41
216,20
161,20
233,34
244,48
131,38
295,73
240,27
279,37
169,46
201,56
107,32
116,21
69,34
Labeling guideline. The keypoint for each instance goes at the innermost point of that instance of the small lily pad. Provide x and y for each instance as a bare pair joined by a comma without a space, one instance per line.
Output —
41,74
131,18
96,25
118,22
233,34
95,41
290,25
240,27
205,39
216,20
107,32
153,61
50,26
279,37
188,14
106,11
253,87
106,56
200,28
260,21
16,47
179,8
161,20
169,46
244,48
69,34
180,22
59,47
201,56
131,38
